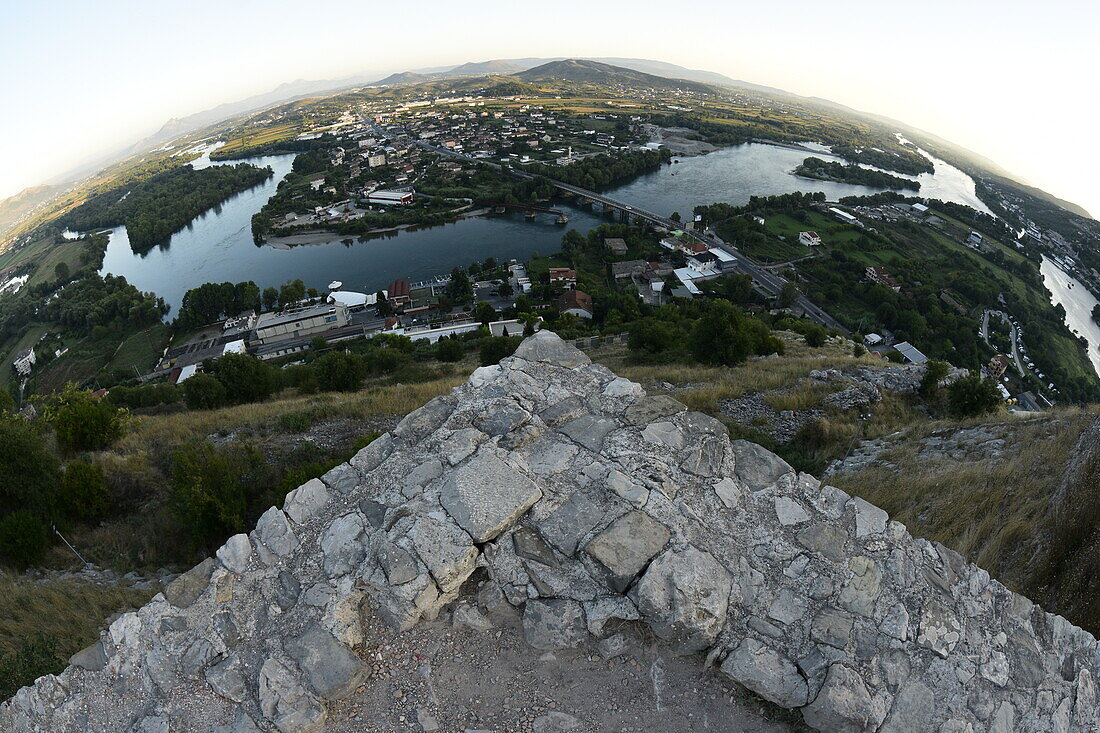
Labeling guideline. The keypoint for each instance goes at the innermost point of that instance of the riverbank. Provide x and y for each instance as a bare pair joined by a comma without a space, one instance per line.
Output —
327,236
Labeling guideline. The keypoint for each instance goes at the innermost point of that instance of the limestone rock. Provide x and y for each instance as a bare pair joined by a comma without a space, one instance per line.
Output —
556,623
624,548
331,669
767,673
843,704
547,347
306,500
684,595
756,467
185,589
486,495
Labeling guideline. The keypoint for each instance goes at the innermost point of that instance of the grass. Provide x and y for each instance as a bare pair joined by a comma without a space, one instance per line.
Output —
69,611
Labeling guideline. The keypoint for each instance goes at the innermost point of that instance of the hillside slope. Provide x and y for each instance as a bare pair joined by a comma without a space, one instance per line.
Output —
601,513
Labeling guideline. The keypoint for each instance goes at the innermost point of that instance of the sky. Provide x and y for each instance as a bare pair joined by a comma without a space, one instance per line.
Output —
1013,81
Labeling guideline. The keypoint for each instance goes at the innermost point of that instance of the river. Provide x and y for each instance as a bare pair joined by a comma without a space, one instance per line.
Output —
1078,302
217,246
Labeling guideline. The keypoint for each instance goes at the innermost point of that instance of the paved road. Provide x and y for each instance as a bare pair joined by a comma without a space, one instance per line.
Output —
767,281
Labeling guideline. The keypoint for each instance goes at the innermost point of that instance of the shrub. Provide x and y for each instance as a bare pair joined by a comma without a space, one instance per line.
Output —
82,421
28,471
448,349
339,372
23,538
972,396
725,336
210,489
203,392
245,378
815,336
84,492
858,350
500,347
934,373
295,422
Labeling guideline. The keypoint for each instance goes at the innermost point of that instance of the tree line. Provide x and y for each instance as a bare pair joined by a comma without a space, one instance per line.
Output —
831,170
156,208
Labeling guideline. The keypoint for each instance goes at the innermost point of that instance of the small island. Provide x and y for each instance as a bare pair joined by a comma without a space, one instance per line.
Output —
824,170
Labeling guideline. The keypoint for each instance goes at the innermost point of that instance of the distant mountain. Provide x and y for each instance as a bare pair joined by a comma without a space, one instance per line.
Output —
596,72
13,208
672,71
485,68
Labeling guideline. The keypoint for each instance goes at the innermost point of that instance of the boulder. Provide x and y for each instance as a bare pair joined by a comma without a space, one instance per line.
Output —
756,467
330,669
684,596
547,347
843,704
486,495
556,623
306,500
274,531
767,673
186,589
623,549
342,544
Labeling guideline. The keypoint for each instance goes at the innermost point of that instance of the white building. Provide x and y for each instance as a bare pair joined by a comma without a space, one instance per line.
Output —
390,198
24,362
810,239
271,327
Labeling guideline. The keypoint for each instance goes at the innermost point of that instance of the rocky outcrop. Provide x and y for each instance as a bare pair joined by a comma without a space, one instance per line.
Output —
586,502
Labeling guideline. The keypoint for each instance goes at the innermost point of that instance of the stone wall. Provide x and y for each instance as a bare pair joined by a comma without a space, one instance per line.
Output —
585,501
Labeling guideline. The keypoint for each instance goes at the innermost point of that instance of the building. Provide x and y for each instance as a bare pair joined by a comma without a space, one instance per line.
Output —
872,339
564,275
517,278
376,160
187,372
948,298
628,268
974,240
911,353
390,198
616,245
272,327
24,362
399,293
919,210
576,302
997,366
882,277
843,215
810,239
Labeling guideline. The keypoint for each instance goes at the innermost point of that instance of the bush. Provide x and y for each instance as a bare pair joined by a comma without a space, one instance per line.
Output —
448,349
934,373
84,422
972,395
499,347
339,372
295,422
84,492
28,471
210,490
725,336
815,336
203,392
245,378
24,538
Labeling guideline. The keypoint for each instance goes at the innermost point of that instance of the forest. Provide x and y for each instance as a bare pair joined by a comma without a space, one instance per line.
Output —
155,209
603,170
827,170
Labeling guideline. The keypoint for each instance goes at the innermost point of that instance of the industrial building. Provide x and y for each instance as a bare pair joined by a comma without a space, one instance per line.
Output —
271,327
390,198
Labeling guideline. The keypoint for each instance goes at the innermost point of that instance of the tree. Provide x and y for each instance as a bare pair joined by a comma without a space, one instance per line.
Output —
653,336
675,216
787,295
384,308
203,392
270,298
725,336
82,421
972,395
84,492
737,288
339,372
28,471
505,289
318,343
816,336
23,538
61,271
291,292
459,288
449,349
207,493
497,348
245,378
484,313
858,350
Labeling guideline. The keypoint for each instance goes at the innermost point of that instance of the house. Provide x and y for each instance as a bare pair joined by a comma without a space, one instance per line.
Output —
911,353
882,277
628,268
24,362
997,366
298,322
723,260
564,275
615,244
660,269
399,293
810,239
576,302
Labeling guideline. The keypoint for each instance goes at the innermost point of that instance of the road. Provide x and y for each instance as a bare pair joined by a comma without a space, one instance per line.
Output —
1015,337
768,282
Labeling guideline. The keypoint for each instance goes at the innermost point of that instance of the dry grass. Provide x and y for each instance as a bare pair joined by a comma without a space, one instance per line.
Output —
993,512
799,397
69,611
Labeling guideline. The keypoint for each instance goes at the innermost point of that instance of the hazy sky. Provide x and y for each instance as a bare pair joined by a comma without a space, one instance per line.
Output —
1015,81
